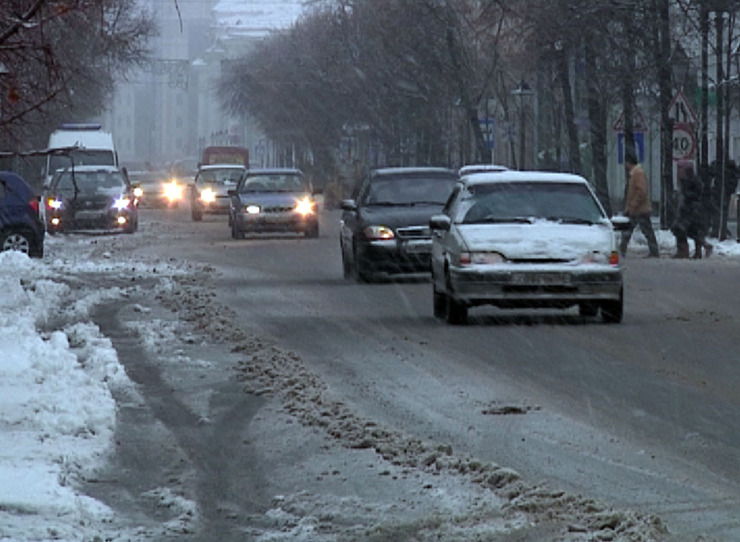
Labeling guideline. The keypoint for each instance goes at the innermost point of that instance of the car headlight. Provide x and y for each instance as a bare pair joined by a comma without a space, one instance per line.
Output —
597,257
208,195
253,209
138,192
121,203
481,258
378,233
54,203
304,207
173,191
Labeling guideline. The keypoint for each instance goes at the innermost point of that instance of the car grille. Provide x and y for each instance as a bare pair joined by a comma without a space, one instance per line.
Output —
277,209
414,232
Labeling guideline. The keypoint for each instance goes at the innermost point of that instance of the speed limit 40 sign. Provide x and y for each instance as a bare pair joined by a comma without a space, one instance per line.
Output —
684,143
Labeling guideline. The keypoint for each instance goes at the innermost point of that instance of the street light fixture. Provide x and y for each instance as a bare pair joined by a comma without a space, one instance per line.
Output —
523,93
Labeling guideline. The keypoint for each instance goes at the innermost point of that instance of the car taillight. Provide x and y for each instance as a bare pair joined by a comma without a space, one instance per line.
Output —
34,203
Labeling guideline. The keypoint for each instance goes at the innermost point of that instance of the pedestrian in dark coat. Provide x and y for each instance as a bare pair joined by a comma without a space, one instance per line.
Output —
691,219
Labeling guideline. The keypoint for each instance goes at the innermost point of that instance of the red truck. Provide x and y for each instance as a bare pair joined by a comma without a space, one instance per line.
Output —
225,155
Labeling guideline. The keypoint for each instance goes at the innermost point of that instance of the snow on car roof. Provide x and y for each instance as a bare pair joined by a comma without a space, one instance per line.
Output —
522,176
89,168
413,170
222,166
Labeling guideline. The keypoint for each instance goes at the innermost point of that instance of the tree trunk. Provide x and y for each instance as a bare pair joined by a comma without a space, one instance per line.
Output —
574,158
597,122
665,85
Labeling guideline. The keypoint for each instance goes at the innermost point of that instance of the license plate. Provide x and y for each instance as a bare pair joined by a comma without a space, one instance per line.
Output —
540,279
89,215
417,247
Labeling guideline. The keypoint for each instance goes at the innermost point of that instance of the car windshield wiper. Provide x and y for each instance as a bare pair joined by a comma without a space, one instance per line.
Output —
501,220
571,220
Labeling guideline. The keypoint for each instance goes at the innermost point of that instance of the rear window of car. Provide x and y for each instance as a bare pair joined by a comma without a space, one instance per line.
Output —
553,201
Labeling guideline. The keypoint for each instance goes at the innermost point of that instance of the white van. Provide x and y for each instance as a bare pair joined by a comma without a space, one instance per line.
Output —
79,145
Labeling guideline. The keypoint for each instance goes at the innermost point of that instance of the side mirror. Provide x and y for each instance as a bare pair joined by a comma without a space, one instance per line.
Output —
440,222
620,223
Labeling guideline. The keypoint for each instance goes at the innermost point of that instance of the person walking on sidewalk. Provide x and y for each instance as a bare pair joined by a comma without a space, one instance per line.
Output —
691,217
637,207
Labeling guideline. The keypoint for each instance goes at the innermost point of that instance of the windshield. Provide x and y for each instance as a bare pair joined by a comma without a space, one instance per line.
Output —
409,191
274,182
82,158
225,176
89,182
525,201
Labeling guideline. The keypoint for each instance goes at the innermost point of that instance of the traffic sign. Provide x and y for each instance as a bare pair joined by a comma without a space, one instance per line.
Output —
684,143
487,127
681,111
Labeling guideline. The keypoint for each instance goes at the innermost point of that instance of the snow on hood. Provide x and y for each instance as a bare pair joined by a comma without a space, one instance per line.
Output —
541,239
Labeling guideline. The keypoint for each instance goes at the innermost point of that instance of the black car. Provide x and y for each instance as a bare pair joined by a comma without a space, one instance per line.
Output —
91,198
385,226
21,227
278,199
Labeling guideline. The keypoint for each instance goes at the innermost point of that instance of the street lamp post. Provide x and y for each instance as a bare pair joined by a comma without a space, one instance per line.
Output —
523,92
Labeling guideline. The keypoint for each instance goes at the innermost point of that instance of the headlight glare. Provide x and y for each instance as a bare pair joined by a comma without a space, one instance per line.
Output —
304,207
208,195
121,203
379,233
481,258
253,209
54,203
173,191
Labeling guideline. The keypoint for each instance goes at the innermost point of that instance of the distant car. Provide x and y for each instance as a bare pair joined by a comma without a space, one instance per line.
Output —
525,239
91,198
385,227
21,227
209,192
273,200
157,189
481,168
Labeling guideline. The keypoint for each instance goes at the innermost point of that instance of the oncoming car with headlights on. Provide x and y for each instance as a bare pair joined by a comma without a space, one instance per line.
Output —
278,199
210,189
525,239
384,228
91,197
156,190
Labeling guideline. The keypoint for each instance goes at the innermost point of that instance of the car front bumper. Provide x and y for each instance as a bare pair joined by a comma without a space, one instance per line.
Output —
89,220
536,286
287,220
396,255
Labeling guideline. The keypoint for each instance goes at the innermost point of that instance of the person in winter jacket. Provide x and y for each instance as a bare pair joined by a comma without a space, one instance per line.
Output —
691,219
637,206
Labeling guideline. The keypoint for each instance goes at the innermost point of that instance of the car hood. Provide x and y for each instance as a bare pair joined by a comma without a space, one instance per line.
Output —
272,199
541,240
401,215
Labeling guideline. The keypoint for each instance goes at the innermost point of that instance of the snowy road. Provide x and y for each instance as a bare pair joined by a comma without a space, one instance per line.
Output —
369,420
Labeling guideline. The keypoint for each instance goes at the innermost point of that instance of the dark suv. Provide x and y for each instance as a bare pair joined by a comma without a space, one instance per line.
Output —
385,226
21,227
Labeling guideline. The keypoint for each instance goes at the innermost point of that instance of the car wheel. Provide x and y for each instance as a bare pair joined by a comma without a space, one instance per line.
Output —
346,265
360,274
16,240
588,310
196,213
439,301
455,312
613,311
312,231
236,233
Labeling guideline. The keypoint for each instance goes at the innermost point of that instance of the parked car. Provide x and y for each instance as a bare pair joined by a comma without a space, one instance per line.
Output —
385,227
273,200
210,190
91,198
21,226
525,239
156,189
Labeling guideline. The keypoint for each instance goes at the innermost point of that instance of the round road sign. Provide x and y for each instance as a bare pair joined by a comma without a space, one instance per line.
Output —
684,144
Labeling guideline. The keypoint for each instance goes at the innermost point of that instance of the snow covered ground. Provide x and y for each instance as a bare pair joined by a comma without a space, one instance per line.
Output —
57,412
